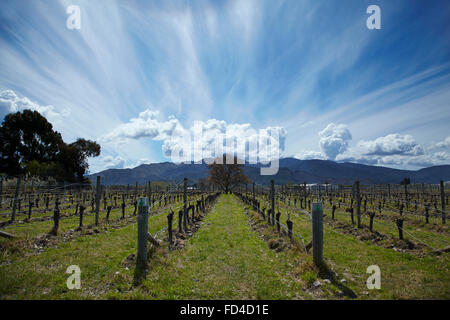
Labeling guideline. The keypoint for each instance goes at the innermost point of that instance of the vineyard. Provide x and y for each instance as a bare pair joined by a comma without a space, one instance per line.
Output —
255,243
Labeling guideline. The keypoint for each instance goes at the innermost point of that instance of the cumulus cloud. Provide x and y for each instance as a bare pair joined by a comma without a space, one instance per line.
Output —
146,125
442,156
357,158
110,162
334,140
11,102
309,155
393,150
421,161
426,160
205,139
392,144
444,144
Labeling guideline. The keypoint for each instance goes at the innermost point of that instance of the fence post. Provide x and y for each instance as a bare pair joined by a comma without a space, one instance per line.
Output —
81,216
180,221
16,195
97,200
169,227
399,223
358,204
185,220
108,211
141,260
253,194
150,192
406,195
30,205
56,212
272,199
304,188
289,225
371,216
1,190
277,217
317,233
442,201
136,196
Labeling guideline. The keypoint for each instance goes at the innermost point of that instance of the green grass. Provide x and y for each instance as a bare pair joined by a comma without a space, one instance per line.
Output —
225,259
403,275
99,256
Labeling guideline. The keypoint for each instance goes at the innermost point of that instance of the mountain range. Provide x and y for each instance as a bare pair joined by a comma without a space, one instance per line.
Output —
291,170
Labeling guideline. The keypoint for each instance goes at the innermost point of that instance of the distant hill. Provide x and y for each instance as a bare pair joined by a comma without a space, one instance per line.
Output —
291,170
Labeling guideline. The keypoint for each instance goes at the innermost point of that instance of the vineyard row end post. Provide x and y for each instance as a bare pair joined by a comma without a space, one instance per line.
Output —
97,199
185,217
442,200
358,204
16,196
142,219
317,233
272,195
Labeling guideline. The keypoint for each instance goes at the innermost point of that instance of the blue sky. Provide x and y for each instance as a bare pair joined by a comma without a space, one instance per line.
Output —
138,73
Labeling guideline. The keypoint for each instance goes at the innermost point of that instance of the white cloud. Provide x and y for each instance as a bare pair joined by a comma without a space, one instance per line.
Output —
392,144
309,155
146,125
421,161
444,144
442,156
110,162
334,140
11,102
357,158
202,139
393,150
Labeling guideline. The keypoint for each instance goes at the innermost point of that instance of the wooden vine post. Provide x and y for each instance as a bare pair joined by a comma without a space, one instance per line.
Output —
442,201
399,223
1,190
185,215
277,217
16,196
358,204
272,199
82,208
371,216
97,199
169,227
304,189
149,192
317,233
253,195
289,226
142,219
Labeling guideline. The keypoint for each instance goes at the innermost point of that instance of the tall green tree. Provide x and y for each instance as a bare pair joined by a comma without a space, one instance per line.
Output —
27,136
72,159
30,145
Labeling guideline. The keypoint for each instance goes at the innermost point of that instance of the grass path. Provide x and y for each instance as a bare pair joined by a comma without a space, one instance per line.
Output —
225,259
